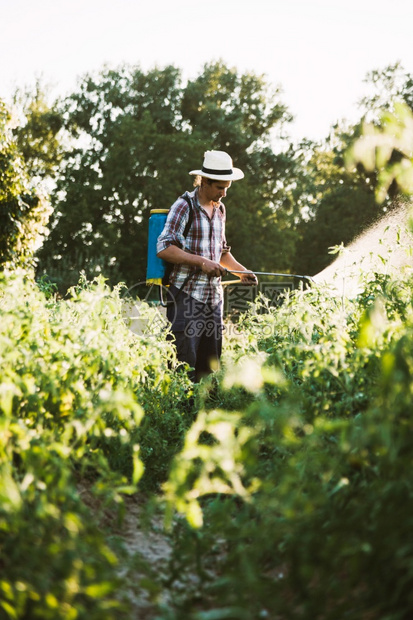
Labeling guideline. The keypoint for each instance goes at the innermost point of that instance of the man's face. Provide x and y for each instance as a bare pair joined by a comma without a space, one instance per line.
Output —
216,190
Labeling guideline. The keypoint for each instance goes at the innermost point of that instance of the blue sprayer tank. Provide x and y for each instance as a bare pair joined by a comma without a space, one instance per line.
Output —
155,266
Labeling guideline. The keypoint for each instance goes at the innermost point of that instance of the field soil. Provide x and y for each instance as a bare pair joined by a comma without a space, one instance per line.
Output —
142,546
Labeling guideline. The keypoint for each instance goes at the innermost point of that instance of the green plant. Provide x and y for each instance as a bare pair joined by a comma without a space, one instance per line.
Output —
74,382
317,522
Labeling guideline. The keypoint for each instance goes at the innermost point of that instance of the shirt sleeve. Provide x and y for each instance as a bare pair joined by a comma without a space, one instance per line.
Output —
173,232
225,247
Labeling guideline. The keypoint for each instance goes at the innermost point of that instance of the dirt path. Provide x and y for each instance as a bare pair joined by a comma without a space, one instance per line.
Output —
142,547
148,551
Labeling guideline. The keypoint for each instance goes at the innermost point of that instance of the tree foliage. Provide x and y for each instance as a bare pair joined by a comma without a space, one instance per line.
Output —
341,204
136,137
338,200
23,212
392,83
38,135
388,149
123,143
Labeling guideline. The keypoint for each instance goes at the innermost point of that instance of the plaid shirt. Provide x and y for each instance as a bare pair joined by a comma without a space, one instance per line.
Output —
206,237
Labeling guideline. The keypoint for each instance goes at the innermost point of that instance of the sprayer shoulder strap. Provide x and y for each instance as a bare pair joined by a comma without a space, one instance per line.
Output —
190,215
169,266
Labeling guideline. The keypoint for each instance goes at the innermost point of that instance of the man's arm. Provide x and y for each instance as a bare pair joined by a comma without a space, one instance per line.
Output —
229,262
173,254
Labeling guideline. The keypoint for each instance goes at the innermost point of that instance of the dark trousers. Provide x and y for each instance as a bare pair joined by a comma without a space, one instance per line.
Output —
197,328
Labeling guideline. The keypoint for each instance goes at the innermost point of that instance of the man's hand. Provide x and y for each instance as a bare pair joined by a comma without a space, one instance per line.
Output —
248,278
233,266
212,269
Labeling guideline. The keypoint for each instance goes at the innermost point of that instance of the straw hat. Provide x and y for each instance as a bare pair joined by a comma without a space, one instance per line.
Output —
218,165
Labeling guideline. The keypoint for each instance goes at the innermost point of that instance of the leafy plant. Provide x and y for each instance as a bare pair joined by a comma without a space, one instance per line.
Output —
72,394
24,213
309,530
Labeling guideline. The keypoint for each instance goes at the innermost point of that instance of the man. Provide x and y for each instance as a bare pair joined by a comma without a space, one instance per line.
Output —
194,241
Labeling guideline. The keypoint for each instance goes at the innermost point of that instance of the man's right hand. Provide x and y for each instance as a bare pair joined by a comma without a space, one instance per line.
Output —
212,269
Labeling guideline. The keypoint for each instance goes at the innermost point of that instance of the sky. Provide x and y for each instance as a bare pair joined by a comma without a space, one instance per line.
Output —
317,51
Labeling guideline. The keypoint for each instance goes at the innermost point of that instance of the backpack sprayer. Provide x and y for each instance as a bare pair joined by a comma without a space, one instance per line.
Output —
156,267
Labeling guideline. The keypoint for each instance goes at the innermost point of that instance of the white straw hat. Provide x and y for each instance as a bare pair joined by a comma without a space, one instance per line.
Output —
218,165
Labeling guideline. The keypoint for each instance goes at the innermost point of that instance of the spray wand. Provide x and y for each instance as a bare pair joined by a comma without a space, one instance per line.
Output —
269,273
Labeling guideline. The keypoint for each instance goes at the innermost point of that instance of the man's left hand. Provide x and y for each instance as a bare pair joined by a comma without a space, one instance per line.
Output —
248,278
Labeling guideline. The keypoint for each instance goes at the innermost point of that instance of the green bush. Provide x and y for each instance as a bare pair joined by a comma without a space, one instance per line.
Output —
307,511
291,466
74,383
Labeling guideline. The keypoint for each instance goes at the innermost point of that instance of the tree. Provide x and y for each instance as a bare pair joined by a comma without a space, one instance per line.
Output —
23,212
239,114
337,190
136,137
126,128
38,135
387,85
387,149
340,204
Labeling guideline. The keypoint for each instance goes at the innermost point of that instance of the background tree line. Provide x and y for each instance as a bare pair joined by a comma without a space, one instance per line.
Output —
124,141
